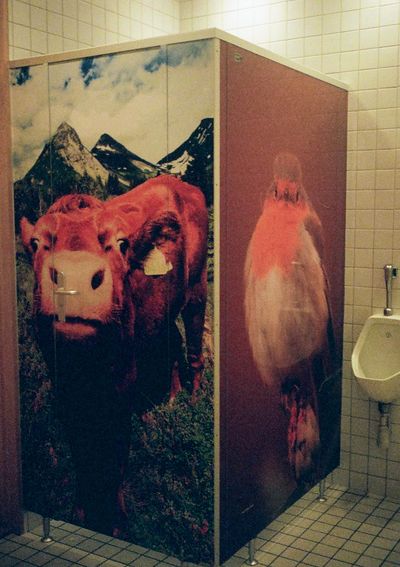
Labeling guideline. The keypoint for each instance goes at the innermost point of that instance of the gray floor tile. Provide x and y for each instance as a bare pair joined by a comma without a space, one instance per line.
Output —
70,527
334,541
107,550
384,542
57,549
58,562
313,535
7,546
233,562
40,558
144,562
304,544
355,547
282,562
294,554
124,556
315,560
89,545
22,553
106,539
73,539
365,561
325,550
8,561
346,556
74,554
156,555
348,529
172,561
91,560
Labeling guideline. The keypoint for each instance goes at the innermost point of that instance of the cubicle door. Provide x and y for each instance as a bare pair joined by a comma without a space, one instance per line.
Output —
283,147
113,169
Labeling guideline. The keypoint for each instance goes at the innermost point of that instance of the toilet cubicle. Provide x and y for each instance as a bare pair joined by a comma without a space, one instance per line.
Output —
121,155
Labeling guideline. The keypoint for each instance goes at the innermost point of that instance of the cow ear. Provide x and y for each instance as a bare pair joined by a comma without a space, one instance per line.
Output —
156,264
154,232
151,241
163,228
26,232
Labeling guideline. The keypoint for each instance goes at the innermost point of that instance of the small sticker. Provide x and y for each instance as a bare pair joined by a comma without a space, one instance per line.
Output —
156,264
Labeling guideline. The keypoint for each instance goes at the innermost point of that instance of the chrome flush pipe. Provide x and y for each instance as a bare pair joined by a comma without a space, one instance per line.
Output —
390,272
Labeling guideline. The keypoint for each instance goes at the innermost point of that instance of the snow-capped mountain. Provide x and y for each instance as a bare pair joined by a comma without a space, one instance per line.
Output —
65,166
69,148
129,169
180,165
193,159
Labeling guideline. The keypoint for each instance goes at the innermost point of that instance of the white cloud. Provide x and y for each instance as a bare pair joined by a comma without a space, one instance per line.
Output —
151,113
30,120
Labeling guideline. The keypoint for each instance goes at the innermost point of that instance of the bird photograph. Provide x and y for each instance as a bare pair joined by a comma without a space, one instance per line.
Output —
287,310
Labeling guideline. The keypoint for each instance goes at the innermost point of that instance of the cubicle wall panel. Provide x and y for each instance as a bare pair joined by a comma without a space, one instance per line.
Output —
113,169
282,197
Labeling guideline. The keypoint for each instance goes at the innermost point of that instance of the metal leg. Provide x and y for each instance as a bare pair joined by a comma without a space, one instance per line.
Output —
252,552
321,495
46,531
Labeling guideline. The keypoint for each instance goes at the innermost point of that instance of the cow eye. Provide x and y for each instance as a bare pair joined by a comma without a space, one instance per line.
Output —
123,245
34,244
54,275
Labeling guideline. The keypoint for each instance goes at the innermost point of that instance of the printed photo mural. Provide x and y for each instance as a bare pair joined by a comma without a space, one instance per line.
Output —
113,161
282,208
287,309
113,169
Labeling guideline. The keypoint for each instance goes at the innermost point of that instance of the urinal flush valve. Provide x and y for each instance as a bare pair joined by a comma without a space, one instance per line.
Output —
390,272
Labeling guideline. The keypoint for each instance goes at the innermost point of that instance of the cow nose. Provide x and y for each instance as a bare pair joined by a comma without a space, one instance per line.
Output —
97,279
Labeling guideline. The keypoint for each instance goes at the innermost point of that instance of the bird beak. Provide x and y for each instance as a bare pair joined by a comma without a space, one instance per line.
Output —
286,190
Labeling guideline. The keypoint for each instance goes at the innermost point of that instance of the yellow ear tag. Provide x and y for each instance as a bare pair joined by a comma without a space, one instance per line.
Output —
155,264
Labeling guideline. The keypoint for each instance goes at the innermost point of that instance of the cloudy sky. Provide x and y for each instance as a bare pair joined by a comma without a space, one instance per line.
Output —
149,100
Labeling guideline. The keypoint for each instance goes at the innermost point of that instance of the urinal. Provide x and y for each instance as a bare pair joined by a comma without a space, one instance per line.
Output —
376,358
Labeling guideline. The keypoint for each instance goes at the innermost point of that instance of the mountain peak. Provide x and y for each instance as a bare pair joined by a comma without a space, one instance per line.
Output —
193,159
128,168
66,135
108,142
64,126
106,138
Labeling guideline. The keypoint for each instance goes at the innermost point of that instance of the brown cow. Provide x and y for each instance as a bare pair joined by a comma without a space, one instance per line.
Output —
136,262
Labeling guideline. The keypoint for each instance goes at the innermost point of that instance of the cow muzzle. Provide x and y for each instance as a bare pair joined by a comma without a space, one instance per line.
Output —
77,289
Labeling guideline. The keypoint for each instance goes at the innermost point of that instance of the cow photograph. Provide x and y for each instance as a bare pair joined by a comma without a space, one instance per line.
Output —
115,287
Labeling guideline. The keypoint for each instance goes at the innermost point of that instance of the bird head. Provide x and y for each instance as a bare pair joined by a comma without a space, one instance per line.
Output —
286,190
287,186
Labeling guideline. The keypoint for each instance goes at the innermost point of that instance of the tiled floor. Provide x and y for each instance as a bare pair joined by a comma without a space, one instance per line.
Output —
347,529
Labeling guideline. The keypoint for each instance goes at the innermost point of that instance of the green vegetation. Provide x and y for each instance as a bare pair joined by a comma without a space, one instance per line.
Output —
169,484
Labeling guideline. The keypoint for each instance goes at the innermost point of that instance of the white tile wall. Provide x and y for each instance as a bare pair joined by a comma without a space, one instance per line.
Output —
49,26
356,41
